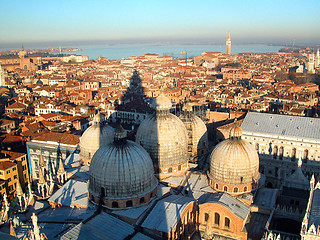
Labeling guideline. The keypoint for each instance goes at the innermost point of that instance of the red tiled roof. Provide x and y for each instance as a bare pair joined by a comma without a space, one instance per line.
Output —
5,165
64,138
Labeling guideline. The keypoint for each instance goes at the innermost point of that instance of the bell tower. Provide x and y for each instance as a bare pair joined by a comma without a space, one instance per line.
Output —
228,45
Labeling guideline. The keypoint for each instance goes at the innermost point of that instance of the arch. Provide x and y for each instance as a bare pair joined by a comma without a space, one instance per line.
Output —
115,204
281,150
227,222
235,189
206,217
129,203
225,188
142,200
217,218
305,155
245,189
293,154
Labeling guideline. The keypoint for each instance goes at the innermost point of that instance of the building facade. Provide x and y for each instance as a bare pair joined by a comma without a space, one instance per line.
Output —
282,140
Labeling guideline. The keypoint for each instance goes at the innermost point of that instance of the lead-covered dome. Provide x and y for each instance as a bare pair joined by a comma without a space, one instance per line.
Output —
234,165
95,136
122,174
197,132
164,136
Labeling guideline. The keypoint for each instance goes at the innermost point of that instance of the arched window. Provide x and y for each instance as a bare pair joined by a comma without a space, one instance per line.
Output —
217,186
217,218
179,168
275,152
115,205
206,217
129,203
227,222
235,189
293,154
142,200
281,152
225,188
305,155
170,170
245,189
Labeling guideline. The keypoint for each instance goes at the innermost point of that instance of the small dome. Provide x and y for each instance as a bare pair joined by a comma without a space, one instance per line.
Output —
123,169
164,136
161,103
95,136
234,163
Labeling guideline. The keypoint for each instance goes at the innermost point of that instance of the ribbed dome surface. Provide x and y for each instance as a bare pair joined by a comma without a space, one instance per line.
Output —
234,161
197,132
123,169
93,138
165,138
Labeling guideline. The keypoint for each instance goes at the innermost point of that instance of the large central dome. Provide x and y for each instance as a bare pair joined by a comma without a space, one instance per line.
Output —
234,165
164,136
121,173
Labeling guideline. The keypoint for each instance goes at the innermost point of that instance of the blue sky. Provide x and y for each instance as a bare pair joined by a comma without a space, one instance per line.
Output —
73,20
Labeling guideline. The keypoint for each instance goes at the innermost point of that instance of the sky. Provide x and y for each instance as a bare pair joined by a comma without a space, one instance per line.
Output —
255,21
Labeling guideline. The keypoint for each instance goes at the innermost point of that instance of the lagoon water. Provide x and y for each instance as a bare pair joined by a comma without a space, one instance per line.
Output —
119,51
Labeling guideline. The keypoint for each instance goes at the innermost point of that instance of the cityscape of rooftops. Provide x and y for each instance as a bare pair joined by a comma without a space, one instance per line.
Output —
159,120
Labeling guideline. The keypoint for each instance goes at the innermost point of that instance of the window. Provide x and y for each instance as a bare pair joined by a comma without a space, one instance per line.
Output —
9,179
281,153
24,167
217,186
15,176
217,218
227,222
115,205
235,189
293,154
170,170
245,189
7,172
179,168
129,203
225,188
13,169
142,200
206,217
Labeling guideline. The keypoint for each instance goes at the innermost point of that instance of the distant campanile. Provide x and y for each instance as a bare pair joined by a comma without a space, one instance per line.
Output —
228,45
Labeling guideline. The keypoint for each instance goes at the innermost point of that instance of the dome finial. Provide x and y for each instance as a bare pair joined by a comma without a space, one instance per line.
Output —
161,103
235,131
120,134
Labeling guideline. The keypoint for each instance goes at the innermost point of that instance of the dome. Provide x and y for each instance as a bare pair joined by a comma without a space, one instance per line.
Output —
161,103
123,169
164,136
197,132
95,136
234,165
